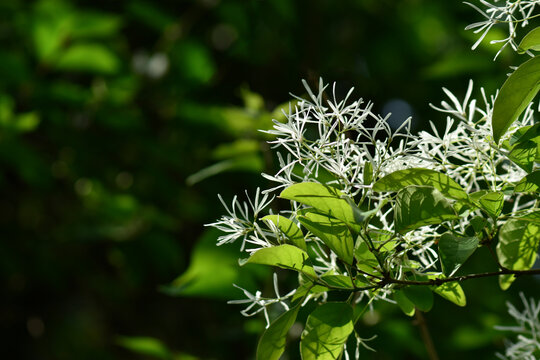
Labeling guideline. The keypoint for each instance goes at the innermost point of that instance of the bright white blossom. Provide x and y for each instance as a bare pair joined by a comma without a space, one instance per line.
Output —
511,14
330,141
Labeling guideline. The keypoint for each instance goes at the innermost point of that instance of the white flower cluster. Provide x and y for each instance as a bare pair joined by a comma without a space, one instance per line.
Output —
527,346
330,141
343,143
511,13
463,151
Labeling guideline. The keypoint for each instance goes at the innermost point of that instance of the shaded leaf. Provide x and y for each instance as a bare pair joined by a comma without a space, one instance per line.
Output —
454,251
420,295
250,162
213,270
327,330
272,342
368,173
94,58
145,346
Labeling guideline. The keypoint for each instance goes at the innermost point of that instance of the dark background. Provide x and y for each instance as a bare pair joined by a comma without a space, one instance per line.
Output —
109,110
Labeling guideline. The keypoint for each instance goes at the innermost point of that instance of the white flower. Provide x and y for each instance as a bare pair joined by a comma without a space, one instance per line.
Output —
511,13
258,304
528,330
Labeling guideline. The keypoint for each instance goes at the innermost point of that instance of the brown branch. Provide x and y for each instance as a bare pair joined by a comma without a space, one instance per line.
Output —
436,282
426,337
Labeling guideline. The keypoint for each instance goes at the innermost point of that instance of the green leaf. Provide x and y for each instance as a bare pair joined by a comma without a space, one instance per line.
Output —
272,343
475,226
145,346
402,178
338,281
454,251
420,295
326,200
308,288
284,256
492,202
368,173
451,291
381,239
529,183
517,248
334,233
531,41
404,303
93,58
94,24
365,259
248,162
343,282
525,133
213,270
515,95
289,229
417,206
327,330
524,155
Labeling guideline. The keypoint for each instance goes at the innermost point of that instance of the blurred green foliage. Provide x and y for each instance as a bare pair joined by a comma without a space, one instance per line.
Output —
119,122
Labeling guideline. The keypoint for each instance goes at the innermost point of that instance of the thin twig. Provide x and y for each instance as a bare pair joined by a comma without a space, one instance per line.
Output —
426,337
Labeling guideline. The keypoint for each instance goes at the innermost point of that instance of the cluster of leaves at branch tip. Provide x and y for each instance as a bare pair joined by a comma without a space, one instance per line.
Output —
359,242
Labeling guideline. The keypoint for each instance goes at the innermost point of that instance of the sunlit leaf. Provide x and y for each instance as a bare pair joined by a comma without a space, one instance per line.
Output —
517,247
284,256
334,233
327,329
515,95
531,41
524,155
365,259
289,229
402,178
404,303
326,200
368,173
451,291
308,288
529,183
418,206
